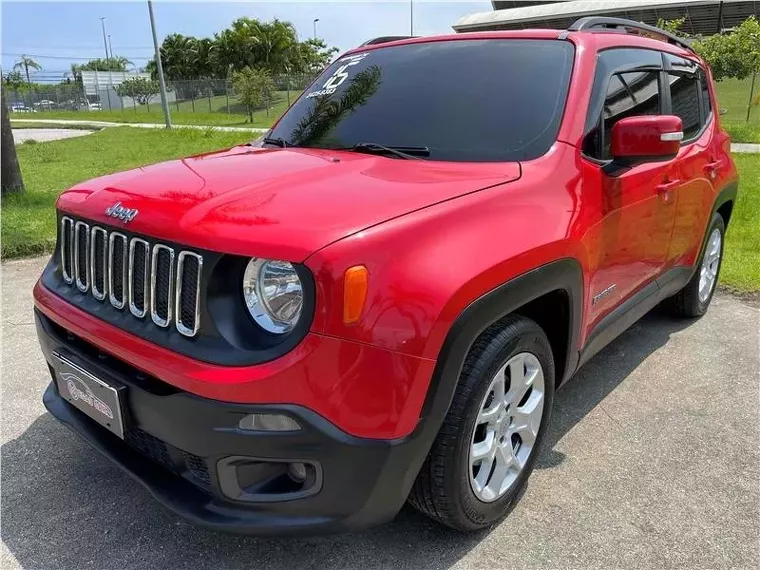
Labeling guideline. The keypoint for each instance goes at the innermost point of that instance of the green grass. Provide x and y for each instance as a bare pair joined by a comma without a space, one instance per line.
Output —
741,262
733,96
743,133
28,219
205,111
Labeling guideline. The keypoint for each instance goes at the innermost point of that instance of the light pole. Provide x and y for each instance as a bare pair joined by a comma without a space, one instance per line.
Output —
411,17
315,27
105,44
110,47
159,68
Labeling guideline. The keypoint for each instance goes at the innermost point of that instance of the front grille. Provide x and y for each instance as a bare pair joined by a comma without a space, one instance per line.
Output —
133,272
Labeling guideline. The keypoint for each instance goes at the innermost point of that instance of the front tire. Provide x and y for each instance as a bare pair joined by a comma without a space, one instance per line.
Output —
694,299
488,444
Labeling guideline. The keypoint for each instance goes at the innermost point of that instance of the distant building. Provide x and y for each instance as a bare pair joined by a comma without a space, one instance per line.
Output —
703,17
96,81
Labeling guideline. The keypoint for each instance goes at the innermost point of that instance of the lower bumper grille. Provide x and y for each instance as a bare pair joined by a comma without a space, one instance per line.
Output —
169,457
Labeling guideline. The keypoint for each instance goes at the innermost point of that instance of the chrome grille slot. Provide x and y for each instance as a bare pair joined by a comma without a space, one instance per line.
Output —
98,256
161,280
129,271
67,249
139,267
188,293
117,269
81,257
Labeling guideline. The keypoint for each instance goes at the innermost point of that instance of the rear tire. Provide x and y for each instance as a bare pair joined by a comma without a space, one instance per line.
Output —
460,483
694,299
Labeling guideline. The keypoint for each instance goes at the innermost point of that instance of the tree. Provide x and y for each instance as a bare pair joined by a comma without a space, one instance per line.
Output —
10,172
25,62
140,89
314,56
672,26
14,80
248,42
253,87
733,54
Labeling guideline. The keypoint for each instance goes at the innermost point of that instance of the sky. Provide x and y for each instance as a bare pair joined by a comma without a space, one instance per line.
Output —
70,32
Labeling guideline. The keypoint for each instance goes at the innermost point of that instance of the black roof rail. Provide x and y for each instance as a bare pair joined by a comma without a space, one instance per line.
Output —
620,24
385,39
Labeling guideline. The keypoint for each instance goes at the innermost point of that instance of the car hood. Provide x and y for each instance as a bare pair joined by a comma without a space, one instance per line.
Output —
283,203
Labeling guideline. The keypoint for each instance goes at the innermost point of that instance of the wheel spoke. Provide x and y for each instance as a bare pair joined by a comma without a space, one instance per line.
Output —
504,455
483,449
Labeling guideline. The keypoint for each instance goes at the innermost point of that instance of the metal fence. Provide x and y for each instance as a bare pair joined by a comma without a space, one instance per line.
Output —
184,96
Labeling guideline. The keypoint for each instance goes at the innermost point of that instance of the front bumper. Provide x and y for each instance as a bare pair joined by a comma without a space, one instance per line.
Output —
178,445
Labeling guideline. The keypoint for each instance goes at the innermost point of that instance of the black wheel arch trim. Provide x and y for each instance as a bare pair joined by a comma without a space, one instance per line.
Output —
563,274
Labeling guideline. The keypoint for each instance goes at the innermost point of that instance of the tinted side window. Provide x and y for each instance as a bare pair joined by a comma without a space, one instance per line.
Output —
628,94
685,102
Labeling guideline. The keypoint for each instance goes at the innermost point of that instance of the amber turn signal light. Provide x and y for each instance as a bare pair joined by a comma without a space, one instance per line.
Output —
354,293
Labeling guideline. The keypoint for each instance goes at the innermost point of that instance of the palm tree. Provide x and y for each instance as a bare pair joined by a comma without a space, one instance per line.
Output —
25,62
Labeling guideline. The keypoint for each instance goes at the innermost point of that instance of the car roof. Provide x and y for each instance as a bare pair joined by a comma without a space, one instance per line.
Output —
596,40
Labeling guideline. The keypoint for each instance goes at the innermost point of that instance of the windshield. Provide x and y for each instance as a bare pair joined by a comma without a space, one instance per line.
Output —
465,100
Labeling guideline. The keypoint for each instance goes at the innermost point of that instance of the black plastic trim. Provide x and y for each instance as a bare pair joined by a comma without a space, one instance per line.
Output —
363,481
564,274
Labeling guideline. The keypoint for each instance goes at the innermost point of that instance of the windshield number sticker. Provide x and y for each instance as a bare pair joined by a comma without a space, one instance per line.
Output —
338,77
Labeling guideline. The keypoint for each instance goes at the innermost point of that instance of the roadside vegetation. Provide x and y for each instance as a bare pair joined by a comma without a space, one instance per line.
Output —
28,218
741,261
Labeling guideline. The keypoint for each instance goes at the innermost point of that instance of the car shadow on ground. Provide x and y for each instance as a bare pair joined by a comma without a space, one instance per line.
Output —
65,507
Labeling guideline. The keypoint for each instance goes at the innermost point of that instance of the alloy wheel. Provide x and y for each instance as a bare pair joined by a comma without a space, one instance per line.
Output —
708,273
507,426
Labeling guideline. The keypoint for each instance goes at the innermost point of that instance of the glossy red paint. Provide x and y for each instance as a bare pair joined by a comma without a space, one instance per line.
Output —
247,200
642,137
366,390
433,236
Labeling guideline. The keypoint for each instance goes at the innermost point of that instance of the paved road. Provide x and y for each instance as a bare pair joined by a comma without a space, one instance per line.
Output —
45,135
653,462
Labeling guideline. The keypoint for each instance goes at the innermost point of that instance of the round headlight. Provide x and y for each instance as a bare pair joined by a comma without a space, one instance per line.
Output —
273,294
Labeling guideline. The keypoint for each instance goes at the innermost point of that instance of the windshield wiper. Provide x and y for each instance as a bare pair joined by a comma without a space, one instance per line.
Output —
277,141
405,152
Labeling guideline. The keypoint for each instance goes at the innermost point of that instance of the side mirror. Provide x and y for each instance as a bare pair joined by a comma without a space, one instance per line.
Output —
645,138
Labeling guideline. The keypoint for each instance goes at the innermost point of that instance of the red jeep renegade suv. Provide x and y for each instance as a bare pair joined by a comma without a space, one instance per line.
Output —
376,302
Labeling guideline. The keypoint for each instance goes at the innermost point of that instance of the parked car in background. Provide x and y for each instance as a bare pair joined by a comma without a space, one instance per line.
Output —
377,301
45,104
19,108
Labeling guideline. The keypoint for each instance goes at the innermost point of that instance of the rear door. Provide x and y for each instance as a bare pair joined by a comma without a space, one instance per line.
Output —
688,97
629,243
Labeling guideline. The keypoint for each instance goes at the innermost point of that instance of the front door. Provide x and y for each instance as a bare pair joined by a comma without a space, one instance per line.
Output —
628,246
